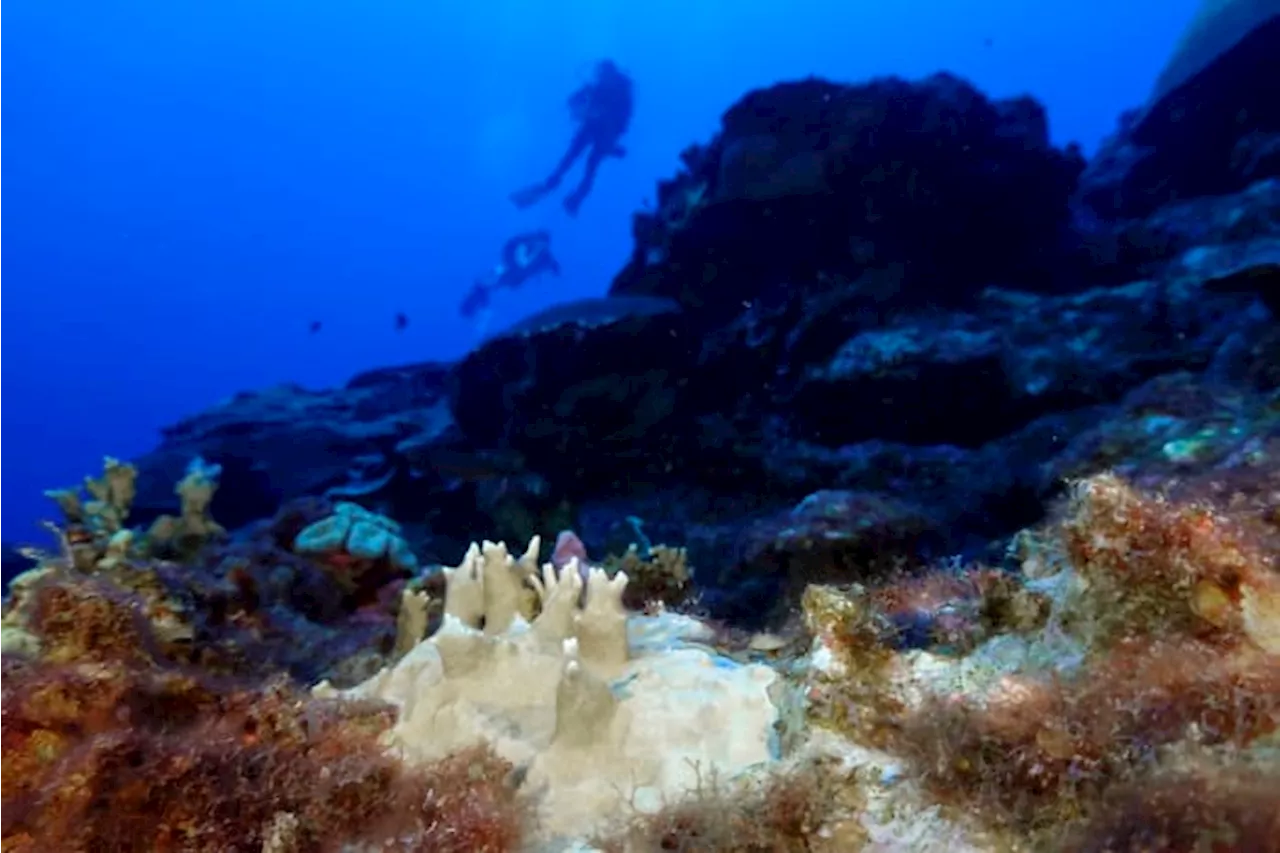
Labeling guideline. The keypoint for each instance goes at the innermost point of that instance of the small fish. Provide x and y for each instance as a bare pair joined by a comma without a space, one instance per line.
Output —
315,326
402,322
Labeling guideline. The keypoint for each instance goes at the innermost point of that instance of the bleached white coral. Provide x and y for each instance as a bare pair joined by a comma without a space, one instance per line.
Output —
597,723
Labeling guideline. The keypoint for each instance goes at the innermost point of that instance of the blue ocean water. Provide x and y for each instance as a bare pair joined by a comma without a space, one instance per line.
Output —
190,187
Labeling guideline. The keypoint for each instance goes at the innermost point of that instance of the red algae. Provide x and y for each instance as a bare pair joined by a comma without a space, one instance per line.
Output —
1208,803
1155,567
110,745
1041,750
1178,619
779,814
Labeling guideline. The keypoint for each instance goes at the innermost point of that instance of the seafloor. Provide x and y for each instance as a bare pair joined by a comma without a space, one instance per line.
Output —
915,487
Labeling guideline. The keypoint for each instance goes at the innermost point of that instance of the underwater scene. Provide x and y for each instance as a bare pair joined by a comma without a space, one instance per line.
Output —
652,440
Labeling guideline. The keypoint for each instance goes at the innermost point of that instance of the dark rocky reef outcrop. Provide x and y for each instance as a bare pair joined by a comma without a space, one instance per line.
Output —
287,442
1212,124
387,439
810,186
868,327
580,385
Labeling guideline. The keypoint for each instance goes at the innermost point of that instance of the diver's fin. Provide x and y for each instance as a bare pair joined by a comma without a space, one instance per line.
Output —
529,196
482,322
476,301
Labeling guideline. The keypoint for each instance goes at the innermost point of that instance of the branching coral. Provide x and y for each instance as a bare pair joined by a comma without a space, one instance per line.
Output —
184,535
411,619
95,537
95,528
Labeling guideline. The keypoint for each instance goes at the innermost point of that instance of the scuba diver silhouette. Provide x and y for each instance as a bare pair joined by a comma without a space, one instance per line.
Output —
524,256
602,109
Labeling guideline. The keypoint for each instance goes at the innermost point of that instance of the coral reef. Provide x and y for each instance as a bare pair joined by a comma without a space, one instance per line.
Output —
1040,754
96,537
189,768
95,532
973,445
240,604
